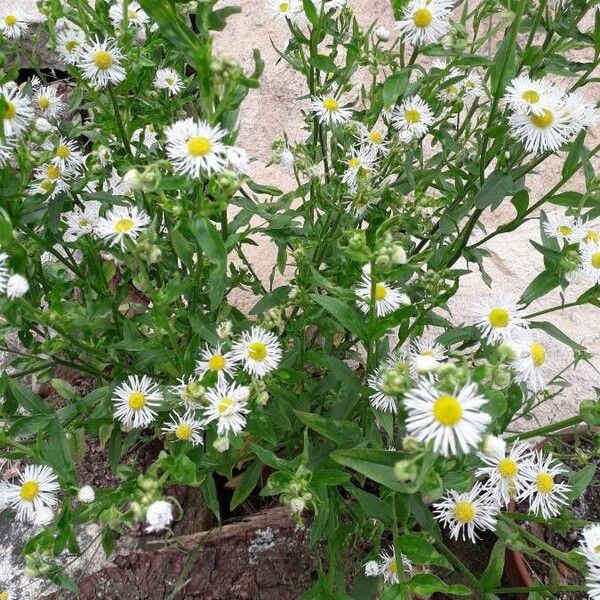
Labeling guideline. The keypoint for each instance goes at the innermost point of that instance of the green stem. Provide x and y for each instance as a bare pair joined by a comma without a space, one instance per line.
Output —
458,565
539,313
122,133
540,588
546,429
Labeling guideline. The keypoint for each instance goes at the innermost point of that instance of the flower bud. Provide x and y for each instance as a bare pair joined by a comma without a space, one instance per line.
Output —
493,446
221,444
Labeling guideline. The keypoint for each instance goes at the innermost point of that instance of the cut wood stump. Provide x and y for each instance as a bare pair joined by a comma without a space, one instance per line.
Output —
264,557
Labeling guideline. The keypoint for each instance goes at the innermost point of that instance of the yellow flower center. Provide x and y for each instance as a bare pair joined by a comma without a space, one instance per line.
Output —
124,225
224,405
284,7
169,80
52,172
596,260
47,185
564,230
83,222
29,491
469,85
393,567
132,14
452,90
11,110
412,116
71,45
103,59
596,550
592,236
544,483
4,596
10,20
63,152
508,468
376,137
530,96
199,146
447,410
44,102
538,354
257,351
183,431
380,291
544,120
499,318
136,401
216,362
422,17
330,104
354,163
464,511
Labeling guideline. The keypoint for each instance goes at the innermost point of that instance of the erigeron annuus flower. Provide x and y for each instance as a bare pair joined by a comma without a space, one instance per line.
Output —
47,102
81,221
462,514
587,232
530,366
452,422
387,298
43,516
451,84
121,223
69,42
86,494
359,163
525,95
227,404
185,428
473,84
136,401
426,355
7,147
37,487
222,364
592,581
388,566
580,114
146,137
50,180
425,21
13,20
4,272
66,154
371,568
286,9
330,110
133,16
189,389
18,113
543,132
329,4
16,286
374,138
504,473
387,381
159,516
546,496
237,159
100,62
499,319
589,544
559,226
413,116
168,79
258,351
195,147
590,261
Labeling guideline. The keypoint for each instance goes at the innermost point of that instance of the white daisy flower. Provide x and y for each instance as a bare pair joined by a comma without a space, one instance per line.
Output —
580,113
258,351
388,566
4,272
385,381
329,5
6,150
168,79
18,113
16,286
66,154
227,404
530,366
544,132
51,180
122,222
136,400
287,159
237,159
545,495
286,9
589,544
222,364
147,136
587,232
413,116
86,494
329,110
371,568
499,319
100,62
69,42
387,298
48,103
493,446
134,16
462,514
426,355
81,221
505,473
195,147
590,262
359,162
425,21
159,516
453,422
559,226
473,84
374,139
13,21
525,95
37,487
43,516
186,427
592,581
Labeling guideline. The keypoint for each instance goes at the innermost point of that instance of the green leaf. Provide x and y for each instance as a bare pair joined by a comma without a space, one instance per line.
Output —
425,584
323,63
373,507
210,241
506,54
394,87
217,18
556,333
246,484
32,403
545,282
343,433
183,248
573,159
580,480
494,189
270,458
209,493
347,316
491,578
416,548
